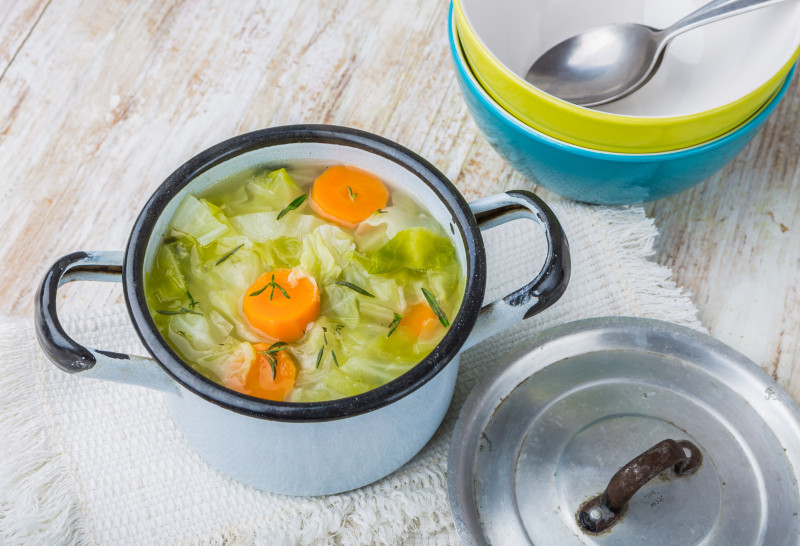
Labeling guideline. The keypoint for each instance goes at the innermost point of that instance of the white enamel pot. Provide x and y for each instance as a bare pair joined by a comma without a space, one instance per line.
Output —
336,445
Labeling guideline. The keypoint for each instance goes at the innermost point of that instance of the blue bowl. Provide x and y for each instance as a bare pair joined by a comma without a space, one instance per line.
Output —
594,176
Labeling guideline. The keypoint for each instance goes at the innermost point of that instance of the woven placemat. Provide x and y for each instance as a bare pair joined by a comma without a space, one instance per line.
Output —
91,462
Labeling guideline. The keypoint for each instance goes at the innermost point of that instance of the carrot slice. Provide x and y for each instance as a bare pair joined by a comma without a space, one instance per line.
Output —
420,321
250,372
285,375
281,304
347,196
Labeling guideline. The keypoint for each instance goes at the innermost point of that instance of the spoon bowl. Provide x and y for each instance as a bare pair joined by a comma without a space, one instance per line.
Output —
598,66
610,62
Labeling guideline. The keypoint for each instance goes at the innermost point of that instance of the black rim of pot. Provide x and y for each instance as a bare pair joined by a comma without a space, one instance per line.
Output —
419,375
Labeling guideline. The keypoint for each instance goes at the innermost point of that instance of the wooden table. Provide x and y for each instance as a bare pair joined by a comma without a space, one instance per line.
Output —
101,99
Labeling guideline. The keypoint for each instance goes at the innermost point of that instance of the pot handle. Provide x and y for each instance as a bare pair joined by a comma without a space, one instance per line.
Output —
552,279
73,357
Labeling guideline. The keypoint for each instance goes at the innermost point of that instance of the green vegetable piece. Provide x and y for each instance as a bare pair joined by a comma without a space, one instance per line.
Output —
435,307
275,347
395,323
339,382
259,291
271,358
416,248
167,281
179,311
273,364
277,185
326,252
319,356
282,252
229,254
200,219
355,288
192,303
279,287
271,284
293,205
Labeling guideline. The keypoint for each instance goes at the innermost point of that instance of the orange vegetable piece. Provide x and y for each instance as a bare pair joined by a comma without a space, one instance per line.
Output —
420,321
347,196
280,317
250,372
285,374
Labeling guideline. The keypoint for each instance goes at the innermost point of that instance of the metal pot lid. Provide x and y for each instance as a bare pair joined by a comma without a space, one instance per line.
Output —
549,427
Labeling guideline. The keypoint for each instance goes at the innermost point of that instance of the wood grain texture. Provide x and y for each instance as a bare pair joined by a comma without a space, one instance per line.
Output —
16,24
734,243
93,128
101,100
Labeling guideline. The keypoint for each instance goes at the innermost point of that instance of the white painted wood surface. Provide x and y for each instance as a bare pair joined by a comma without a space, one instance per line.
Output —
101,100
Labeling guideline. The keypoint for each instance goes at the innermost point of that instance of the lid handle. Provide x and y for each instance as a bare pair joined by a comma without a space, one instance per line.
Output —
603,511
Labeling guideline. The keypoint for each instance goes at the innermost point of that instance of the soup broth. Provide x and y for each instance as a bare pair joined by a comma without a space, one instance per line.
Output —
303,284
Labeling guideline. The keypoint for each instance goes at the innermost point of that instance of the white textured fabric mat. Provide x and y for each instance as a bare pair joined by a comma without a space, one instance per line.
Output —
86,461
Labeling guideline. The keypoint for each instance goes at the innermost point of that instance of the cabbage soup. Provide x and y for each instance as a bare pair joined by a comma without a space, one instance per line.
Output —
303,284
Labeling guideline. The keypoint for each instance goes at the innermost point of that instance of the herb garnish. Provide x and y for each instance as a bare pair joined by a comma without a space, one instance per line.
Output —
335,360
257,292
353,194
179,311
274,285
275,347
379,211
182,310
435,307
271,358
325,335
319,355
395,323
355,288
229,254
292,206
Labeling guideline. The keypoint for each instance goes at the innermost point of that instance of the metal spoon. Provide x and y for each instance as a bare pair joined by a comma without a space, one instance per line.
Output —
610,62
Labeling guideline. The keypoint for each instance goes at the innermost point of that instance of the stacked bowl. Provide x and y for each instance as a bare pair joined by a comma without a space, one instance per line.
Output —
714,89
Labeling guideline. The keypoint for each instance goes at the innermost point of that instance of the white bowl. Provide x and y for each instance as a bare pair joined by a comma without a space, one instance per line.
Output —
704,68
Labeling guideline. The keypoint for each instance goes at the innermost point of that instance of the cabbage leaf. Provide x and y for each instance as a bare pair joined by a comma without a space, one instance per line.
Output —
419,249
200,220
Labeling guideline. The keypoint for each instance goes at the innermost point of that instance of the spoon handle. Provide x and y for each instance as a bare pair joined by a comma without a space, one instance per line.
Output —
713,11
